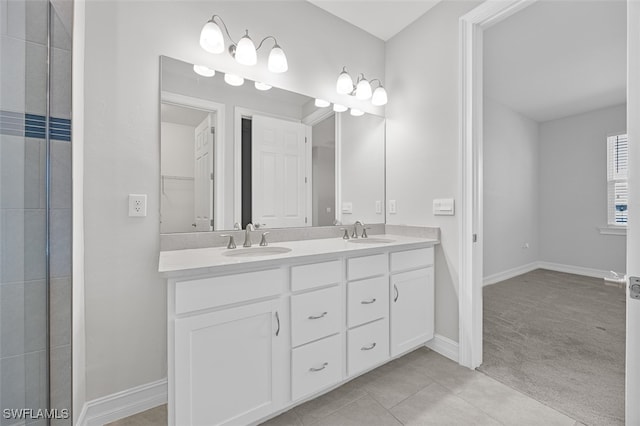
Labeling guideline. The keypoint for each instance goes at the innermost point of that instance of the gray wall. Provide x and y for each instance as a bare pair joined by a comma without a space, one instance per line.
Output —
510,216
125,295
422,139
573,191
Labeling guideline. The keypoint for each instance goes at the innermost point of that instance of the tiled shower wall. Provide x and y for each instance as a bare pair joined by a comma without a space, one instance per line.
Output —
24,366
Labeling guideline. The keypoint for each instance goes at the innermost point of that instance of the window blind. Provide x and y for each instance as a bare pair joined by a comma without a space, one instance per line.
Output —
617,174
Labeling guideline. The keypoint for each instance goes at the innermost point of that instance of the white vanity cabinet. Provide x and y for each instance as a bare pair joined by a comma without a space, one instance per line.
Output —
249,341
410,292
227,366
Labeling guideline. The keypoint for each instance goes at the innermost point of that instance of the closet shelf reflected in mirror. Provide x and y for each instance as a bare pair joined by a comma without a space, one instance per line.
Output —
239,154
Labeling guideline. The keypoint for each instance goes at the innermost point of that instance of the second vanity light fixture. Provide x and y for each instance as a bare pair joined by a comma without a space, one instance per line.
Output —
244,51
362,88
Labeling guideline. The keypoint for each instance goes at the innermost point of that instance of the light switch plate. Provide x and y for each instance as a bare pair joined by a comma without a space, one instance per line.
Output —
444,207
378,207
393,208
347,207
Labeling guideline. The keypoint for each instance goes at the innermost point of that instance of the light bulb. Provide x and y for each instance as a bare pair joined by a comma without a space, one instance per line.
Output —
204,71
246,51
344,85
339,108
363,89
277,61
379,97
356,112
321,103
262,86
233,80
211,38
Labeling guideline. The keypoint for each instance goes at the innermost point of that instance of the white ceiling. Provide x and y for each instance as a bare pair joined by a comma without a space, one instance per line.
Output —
381,18
557,59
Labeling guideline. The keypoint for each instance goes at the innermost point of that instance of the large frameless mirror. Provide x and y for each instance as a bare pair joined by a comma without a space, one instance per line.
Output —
234,151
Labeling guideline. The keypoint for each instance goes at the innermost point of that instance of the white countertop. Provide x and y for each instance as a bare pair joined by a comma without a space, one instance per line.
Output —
198,261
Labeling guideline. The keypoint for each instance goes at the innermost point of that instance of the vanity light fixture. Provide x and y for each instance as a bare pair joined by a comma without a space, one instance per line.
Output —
233,80
204,71
262,86
321,103
244,51
356,112
362,89
339,108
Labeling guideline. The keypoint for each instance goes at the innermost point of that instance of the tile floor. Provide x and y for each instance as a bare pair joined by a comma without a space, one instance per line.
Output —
421,388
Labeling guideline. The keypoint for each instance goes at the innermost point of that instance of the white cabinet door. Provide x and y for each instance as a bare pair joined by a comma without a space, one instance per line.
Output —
228,365
412,309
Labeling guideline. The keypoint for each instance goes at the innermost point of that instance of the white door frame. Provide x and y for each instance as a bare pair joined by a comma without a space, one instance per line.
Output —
218,149
471,28
632,370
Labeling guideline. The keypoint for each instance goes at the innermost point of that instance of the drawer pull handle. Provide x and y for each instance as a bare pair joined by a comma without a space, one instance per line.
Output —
322,315
368,348
315,370
395,287
368,302
278,320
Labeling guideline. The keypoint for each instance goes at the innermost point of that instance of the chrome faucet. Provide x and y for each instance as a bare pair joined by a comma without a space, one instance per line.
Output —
247,234
355,229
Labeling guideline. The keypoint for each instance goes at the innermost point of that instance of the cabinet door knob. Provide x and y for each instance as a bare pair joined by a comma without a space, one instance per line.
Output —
315,317
315,370
368,302
395,288
278,321
368,348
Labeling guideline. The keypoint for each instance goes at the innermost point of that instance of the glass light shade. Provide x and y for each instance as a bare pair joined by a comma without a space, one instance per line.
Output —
344,85
246,51
339,108
277,61
356,112
363,90
233,80
204,71
379,97
262,86
321,103
211,38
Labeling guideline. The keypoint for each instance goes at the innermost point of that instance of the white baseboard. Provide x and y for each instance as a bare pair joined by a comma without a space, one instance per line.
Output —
558,267
123,404
444,346
510,273
570,269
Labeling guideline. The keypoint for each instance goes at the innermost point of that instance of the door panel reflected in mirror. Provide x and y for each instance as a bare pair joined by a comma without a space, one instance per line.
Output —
233,155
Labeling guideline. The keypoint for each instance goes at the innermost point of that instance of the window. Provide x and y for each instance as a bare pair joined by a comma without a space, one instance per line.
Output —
617,187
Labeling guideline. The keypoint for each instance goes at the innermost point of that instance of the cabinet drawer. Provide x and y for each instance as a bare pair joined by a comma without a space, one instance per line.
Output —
367,300
306,277
315,315
367,346
410,259
316,366
367,266
212,292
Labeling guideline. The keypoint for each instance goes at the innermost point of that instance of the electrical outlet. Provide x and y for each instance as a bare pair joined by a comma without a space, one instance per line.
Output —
393,209
137,205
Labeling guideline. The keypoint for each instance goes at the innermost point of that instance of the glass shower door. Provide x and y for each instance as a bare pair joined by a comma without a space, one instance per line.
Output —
35,212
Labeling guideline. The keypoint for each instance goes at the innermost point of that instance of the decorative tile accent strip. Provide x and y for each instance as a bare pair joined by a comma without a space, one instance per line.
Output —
34,126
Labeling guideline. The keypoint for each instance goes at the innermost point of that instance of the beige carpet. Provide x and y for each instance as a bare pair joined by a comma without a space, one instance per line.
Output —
559,338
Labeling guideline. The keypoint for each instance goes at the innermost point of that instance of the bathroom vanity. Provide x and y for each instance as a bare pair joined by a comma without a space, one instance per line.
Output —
252,333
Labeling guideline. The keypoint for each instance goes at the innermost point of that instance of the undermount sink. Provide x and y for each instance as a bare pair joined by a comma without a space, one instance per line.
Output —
371,241
256,251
